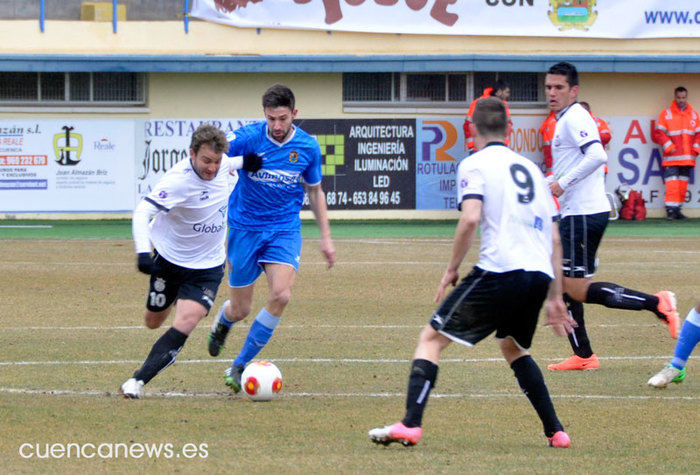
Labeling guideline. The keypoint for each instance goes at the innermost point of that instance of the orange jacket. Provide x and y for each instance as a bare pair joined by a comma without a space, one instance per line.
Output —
547,133
468,139
605,134
678,133
603,130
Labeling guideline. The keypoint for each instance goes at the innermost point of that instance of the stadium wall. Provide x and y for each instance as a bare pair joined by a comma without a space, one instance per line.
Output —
221,71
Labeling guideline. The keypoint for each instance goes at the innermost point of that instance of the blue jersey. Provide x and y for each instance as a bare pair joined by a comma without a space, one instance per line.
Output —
271,198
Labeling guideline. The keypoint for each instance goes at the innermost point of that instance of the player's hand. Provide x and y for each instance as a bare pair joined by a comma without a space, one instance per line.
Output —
449,278
558,317
328,251
145,263
252,162
555,188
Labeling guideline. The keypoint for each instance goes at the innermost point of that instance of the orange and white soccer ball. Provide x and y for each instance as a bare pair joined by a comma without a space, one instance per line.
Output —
261,381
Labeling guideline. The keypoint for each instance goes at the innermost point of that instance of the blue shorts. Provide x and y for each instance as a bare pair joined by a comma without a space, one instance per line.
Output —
248,250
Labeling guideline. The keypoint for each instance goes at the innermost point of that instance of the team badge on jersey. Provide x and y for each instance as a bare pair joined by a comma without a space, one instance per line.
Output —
583,134
163,194
204,195
293,156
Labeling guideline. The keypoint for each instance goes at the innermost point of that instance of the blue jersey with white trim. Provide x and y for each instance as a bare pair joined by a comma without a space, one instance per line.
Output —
271,198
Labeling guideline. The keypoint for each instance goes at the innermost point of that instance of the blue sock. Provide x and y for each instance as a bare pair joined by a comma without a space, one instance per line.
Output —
689,337
259,334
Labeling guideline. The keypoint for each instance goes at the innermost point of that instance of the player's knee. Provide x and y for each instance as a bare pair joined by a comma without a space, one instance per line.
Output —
237,312
152,321
281,298
510,350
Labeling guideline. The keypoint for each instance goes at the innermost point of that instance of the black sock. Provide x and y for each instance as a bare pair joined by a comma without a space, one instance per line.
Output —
579,338
162,355
532,383
420,382
615,296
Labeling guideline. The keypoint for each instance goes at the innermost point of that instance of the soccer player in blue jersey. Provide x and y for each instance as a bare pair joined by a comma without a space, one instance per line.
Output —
264,224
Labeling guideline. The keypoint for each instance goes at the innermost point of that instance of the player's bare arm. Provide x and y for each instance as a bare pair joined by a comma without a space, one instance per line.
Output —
557,316
317,203
464,238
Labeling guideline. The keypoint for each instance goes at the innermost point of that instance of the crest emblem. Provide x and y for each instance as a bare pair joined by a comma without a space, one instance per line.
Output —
67,146
568,14
293,156
159,284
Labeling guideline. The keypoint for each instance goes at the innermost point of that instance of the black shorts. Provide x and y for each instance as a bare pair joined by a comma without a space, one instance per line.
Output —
580,238
483,302
170,282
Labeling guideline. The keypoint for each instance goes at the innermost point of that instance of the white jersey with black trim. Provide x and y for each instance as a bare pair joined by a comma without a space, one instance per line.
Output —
517,210
575,130
190,229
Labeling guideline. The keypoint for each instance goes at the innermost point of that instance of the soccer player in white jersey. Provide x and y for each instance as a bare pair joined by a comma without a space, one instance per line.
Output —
578,182
519,268
184,217
264,223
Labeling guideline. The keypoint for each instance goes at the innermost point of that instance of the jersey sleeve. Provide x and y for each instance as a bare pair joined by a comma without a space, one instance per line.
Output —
169,192
584,130
312,174
238,142
471,184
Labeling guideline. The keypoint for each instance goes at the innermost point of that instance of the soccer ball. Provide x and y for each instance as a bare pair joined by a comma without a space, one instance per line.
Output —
261,381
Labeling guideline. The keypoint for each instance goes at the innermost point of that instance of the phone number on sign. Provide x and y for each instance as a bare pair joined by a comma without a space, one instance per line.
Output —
360,198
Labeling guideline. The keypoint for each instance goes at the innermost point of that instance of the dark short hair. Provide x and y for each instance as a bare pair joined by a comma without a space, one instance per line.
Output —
278,95
679,89
210,135
565,69
490,117
585,105
500,85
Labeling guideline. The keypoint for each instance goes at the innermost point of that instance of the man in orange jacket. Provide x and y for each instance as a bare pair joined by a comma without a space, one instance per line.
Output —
547,133
678,133
603,129
500,89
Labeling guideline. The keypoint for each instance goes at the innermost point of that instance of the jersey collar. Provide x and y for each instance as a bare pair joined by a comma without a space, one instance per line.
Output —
490,144
563,111
279,144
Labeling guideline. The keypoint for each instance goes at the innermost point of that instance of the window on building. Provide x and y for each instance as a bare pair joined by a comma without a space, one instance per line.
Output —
89,89
436,89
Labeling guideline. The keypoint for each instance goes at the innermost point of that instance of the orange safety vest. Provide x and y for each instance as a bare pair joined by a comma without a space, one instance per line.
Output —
678,133
547,133
468,139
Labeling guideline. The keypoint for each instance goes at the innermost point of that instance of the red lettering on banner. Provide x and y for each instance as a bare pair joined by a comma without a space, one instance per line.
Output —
440,13
634,132
334,13
416,4
228,6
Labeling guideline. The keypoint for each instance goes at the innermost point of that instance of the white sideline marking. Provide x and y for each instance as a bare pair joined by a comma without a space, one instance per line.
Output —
318,360
286,395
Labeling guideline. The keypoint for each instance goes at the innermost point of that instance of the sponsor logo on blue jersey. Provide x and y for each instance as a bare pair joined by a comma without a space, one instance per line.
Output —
276,177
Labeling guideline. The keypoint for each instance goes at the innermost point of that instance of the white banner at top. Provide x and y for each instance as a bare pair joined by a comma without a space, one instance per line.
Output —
573,18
